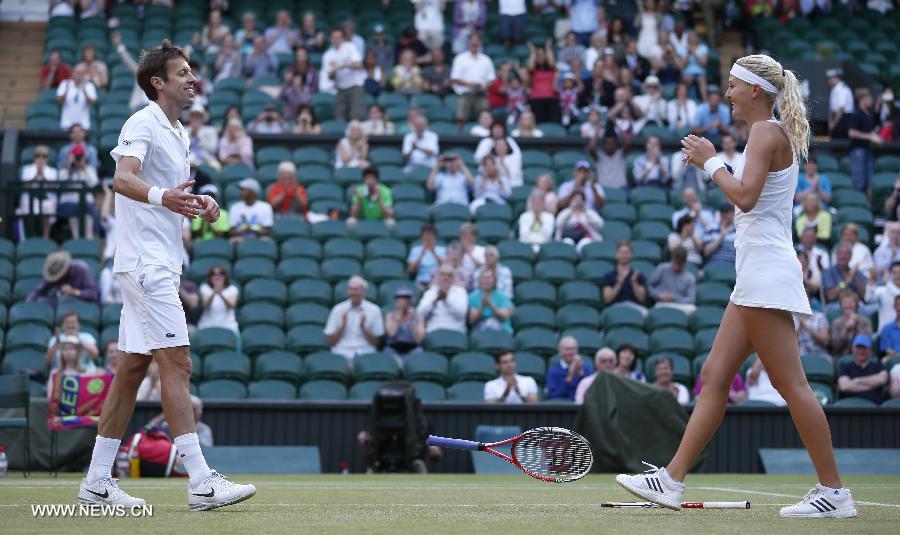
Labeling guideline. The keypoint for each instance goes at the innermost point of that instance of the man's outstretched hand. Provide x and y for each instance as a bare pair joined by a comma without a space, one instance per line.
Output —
181,202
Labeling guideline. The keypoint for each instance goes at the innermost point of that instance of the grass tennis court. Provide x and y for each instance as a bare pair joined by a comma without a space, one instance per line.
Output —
450,504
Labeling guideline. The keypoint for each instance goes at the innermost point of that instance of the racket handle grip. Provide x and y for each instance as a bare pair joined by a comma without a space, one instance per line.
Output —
454,443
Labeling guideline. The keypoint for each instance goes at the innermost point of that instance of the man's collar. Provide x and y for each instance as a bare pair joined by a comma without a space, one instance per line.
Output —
160,115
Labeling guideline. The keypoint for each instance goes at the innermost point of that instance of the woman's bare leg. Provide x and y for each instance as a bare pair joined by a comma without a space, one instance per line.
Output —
729,350
773,335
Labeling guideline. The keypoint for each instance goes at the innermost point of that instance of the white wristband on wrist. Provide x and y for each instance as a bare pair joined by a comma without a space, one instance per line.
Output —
713,164
155,195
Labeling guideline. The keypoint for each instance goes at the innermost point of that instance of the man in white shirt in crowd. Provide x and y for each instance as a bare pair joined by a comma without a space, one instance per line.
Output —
76,96
510,387
604,361
840,104
819,260
883,296
342,63
692,206
354,326
888,250
446,304
421,146
651,103
471,74
250,217
38,174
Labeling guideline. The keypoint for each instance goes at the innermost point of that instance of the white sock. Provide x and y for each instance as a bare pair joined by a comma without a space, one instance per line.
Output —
188,446
105,450
667,479
831,490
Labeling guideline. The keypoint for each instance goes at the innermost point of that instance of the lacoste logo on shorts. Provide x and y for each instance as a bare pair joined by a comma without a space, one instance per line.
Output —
126,142
170,335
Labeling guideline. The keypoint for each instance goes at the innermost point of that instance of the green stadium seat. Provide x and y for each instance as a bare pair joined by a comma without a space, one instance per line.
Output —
292,269
706,317
593,270
646,250
536,340
286,228
471,391
536,158
306,314
306,339
7,249
340,269
472,366
620,336
429,391
20,291
32,313
713,293
34,248
514,249
446,341
648,194
29,268
265,290
312,155
323,390
411,210
272,389
616,231
385,156
818,368
426,366
365,390
577,316
661,317
314,174
27,336
369,230
269,155
554,271
720,272
386,248
619,212
520,269
672,340
620,315
27,361
216,247
222,389
653,231
450,211
589,340
704,338
301,248
557,250
311,291
226,365
533,315
256,339
492,231
323,365
88,313
853,402
213,339
491,341
257,248
279,365
656,212
531,365
83,248
681,369
7,270
494,212
326,230
382,269
108,334
407,230
565,160
322,191
375,367
235,172
248,269
824,393
535,293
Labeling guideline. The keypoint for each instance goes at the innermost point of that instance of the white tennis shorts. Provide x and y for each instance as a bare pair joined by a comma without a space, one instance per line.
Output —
152,315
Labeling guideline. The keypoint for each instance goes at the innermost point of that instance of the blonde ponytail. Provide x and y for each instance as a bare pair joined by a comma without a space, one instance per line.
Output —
790,103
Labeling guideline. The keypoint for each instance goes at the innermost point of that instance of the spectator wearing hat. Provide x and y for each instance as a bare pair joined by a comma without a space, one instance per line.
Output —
70,329
404,328
76,96
425,257
36,175
203,136
436,76
355,325
652,167
342,64
54,72
840,104
510,387
445,304
863,377
718,240
71,279
813,216
269,121
195,230
372,200
850,324
286,195
587,183
862,130
250,217
713,117
489,308
471,75
651,104
236,146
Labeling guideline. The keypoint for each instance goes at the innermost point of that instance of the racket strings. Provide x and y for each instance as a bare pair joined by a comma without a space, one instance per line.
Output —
555,453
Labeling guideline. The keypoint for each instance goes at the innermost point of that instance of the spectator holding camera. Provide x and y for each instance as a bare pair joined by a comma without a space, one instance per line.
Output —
269,121
78,175
306,122
451,180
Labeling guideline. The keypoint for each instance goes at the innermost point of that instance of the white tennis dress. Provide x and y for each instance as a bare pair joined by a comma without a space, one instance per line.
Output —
769,274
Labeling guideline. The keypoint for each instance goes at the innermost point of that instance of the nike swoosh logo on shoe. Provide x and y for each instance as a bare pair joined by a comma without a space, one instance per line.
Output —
212,492
105,494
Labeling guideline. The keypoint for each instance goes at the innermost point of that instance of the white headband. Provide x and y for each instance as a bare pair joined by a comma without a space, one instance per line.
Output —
751,78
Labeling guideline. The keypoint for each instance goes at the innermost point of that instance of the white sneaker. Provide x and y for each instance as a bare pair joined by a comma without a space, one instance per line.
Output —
821,502
217,491
652,487
106,492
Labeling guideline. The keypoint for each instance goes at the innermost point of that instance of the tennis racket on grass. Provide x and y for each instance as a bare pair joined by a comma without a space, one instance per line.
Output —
550,454
685,505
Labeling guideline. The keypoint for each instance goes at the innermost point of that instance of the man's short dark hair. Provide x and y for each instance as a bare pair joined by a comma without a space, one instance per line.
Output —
662,359
67,315
154,63
895,264
683,221
679,254
500,354
371,171
427,227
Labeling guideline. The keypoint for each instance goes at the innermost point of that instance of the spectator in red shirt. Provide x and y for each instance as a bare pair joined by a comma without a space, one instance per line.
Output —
496,93
287,195
54,71
542,72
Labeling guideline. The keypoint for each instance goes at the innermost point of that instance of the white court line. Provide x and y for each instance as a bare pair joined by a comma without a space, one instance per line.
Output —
381,505
744,491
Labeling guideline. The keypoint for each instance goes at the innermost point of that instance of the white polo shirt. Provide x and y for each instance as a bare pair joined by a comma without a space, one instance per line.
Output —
841,98
478,69
494,389
148,234
76,104
429,141
353,342
345,77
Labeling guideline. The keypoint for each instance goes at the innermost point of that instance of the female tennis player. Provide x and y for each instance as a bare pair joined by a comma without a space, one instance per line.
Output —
768,290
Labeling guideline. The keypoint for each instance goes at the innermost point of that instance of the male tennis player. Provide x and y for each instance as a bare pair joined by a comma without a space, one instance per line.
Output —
151,183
